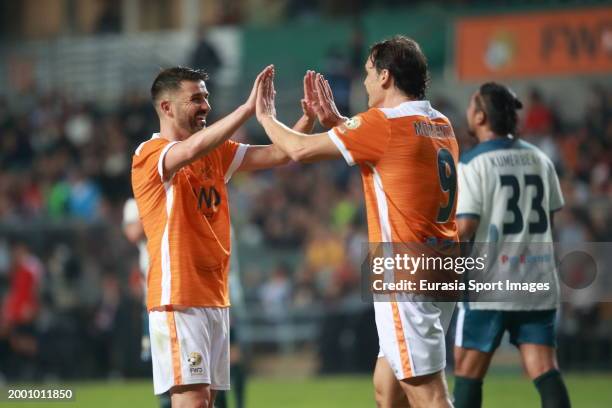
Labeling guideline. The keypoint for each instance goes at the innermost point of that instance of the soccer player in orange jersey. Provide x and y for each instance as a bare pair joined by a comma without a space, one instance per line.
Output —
406,151
178,178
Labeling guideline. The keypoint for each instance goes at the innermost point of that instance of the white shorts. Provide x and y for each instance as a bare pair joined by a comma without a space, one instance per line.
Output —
412,335
190,346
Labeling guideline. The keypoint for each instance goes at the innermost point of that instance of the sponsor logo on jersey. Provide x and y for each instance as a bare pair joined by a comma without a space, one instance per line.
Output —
211,197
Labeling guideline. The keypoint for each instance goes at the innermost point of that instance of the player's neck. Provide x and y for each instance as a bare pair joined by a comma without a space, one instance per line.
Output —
392,99
170,132
487,135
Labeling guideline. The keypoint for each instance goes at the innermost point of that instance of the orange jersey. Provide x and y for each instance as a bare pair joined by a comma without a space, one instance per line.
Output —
407,156
187,224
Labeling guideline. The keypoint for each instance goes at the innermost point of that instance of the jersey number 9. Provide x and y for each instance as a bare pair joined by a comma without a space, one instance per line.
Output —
447,175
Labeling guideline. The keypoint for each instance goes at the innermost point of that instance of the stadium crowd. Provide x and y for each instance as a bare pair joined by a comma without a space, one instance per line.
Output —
69,282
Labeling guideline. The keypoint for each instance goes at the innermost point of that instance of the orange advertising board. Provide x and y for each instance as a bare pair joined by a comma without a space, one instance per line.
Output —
534,44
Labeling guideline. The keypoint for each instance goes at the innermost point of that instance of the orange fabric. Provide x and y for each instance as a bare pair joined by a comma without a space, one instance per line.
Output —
187,224
176,351
407,164
401,341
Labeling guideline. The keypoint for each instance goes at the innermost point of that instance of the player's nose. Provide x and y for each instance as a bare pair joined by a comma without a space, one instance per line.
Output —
205,106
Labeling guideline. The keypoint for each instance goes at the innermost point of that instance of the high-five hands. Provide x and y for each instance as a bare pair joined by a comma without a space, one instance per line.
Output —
264,106
329,116
250,103
319,101
310,102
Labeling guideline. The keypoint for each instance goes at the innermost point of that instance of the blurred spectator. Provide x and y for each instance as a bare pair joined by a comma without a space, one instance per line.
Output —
357,47
103,325
109,20
276,293
305,290
337,71
20,308
83,198
538,116
206,57
324,250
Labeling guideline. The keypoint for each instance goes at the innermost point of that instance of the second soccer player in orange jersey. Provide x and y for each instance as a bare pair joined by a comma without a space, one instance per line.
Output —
407,152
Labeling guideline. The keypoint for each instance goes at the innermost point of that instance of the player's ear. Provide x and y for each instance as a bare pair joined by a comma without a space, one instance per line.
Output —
385,78
166,107
480,117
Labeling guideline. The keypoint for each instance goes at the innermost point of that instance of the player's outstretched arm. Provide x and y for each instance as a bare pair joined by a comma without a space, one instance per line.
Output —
263,157
299,146
207,139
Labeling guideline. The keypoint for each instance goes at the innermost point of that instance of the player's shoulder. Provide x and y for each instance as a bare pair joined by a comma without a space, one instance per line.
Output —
413,109
480,151
372,114
152,144
522,144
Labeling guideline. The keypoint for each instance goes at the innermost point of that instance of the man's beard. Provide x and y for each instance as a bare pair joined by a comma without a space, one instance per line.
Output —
198,125
192,125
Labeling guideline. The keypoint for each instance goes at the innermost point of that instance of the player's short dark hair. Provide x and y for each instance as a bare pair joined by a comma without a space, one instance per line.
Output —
170,79
500,104
406,63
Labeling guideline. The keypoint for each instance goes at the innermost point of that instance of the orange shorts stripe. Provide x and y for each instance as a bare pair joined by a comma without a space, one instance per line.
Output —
401,341
174,343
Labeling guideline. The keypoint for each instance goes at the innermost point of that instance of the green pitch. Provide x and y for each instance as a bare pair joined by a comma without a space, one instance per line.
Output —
501,391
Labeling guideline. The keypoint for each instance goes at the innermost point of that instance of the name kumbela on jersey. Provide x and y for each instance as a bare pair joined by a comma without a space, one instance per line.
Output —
514,159
428,129
472,285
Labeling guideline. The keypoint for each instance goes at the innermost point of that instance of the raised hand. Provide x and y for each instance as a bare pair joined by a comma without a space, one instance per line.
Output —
328,113
250,103
310,102
264,106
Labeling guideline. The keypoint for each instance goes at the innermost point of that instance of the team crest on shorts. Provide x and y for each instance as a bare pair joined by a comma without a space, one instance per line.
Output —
195,362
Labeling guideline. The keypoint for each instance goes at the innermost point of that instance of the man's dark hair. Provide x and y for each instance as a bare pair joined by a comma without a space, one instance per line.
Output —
170,79
406,63
500,105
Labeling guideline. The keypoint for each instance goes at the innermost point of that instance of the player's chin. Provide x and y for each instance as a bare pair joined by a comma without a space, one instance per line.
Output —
198,125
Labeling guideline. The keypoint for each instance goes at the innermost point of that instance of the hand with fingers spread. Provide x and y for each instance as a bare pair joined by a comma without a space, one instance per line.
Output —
327,112
265,96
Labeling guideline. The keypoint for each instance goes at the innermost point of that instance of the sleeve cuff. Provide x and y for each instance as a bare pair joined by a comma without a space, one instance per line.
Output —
467,215
160,163
236,161
341,147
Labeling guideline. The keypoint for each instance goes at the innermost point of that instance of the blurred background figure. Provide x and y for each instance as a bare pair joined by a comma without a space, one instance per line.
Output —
19,335
206,57
132,228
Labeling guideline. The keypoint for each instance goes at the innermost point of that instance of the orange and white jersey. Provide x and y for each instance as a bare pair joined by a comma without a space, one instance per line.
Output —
407,156
187,224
